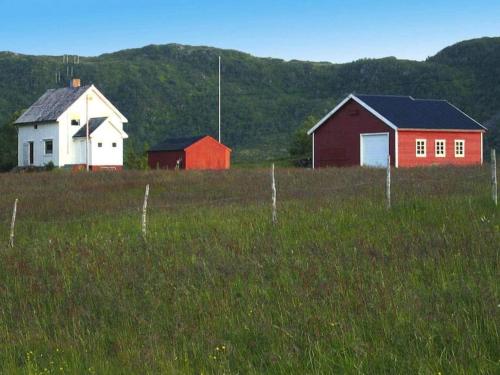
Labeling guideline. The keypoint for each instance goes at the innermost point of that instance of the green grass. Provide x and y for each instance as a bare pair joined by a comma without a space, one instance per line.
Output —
339,285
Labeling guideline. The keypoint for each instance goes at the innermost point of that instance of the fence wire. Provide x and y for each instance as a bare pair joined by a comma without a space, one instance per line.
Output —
164,200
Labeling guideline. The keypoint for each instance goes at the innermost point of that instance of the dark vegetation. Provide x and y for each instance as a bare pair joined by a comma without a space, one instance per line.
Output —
171,90
339,285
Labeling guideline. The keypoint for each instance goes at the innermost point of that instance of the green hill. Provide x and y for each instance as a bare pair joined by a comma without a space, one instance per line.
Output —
171,90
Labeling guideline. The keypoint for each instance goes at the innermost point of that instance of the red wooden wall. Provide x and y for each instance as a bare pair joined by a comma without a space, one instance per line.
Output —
337,141
165,159
407,148
207,153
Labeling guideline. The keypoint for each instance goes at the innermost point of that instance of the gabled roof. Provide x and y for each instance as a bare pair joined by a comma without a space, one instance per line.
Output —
405,112
176,144
52,104
94,123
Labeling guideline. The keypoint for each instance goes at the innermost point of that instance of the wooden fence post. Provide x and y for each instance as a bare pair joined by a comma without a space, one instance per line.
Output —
494,183
273,188
13,224
388,183
144,211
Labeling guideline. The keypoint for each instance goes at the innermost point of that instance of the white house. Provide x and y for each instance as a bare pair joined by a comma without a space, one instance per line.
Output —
54,130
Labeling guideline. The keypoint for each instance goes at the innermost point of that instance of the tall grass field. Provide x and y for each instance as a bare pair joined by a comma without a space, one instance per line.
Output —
339,285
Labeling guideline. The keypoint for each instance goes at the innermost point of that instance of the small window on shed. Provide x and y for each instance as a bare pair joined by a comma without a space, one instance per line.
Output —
99,144
440,148
421,148
114,144
459,148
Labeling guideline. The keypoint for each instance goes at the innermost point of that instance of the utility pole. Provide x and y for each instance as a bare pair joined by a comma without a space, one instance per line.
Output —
219,98
87,153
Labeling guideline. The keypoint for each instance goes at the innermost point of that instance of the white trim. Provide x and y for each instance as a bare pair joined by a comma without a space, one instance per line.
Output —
121,132
425,147
465,114
443,155
441,130
361,161
313,151
109,104
396,148
310,131
360,102
100,96
463,148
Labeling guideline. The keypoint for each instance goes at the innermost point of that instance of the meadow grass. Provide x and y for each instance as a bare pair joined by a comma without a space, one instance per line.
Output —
339,285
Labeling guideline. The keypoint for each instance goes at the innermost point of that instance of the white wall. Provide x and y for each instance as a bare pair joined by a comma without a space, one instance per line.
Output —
71,148
106,134
28,133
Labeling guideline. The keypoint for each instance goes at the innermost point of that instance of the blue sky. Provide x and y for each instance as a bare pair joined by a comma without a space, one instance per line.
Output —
317,30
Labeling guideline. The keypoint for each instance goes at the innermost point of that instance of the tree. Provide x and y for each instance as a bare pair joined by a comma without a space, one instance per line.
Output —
136,159
8,144
301,147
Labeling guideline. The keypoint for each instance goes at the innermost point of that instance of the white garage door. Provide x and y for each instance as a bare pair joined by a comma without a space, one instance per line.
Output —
374,150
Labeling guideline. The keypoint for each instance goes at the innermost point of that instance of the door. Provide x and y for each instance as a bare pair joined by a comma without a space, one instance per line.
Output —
374,149
31,153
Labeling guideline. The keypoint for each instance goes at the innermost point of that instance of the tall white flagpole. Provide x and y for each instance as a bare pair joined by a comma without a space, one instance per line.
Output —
219,98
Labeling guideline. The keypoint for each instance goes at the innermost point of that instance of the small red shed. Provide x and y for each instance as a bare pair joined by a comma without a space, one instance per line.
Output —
201,152
365,129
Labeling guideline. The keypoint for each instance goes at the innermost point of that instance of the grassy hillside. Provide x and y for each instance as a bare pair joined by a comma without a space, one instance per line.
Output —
340,285
172,89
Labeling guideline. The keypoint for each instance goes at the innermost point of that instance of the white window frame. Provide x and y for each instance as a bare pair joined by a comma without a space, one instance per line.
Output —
443,155
424,141
463,148
45,147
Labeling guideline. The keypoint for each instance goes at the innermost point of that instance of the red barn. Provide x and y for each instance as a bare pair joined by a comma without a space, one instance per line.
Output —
365,129
201,152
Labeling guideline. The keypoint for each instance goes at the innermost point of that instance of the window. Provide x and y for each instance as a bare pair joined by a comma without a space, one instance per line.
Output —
114,144
421,148
459,148
49,147
36,126
99,144
75,122
440,148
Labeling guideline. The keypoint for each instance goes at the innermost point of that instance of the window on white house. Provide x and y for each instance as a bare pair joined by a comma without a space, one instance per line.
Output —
75,121
440,148
49,147
421,148
114,144
459,148
99,144
36,126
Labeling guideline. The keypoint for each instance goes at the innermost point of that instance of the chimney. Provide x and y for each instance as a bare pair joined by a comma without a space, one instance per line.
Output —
75,83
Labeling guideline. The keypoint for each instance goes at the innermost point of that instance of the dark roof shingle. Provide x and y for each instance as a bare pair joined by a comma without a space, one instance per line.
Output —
94,123
51,105
176,144
408,113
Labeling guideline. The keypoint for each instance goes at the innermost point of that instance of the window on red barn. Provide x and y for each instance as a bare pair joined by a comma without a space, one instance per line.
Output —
440,148
421,148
